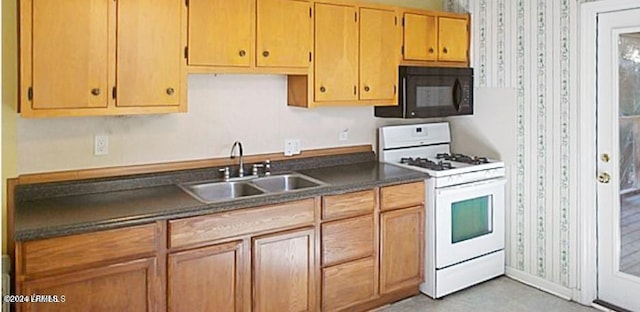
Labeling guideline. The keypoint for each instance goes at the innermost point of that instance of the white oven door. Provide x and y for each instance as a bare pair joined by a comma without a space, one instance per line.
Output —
469,221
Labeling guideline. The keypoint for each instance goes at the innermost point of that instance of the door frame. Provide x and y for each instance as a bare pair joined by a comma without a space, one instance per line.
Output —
586,143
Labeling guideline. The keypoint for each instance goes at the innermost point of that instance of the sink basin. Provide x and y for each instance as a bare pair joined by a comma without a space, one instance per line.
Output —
286,182
220,191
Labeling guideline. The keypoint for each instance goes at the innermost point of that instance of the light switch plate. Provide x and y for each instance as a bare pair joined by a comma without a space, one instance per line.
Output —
291,147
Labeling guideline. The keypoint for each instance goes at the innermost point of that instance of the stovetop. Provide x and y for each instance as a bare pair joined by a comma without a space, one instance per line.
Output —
445,164
426,163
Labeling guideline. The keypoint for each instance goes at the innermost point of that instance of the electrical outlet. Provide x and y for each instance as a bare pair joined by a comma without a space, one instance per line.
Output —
291,147
344,135
101,145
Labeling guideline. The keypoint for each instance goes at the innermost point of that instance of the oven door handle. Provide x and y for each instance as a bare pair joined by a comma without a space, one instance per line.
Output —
483,183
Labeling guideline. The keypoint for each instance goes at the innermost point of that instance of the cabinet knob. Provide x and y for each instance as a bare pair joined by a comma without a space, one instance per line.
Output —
431,50
265,53
242,53
170,91
445,51
95,91
323,89
366,88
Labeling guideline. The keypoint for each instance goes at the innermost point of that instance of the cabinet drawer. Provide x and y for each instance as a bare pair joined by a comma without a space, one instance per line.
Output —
196,230
76,251
347,240
348,284
348,205
402,196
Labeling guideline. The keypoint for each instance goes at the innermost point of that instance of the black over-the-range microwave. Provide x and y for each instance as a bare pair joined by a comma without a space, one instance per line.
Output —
427,92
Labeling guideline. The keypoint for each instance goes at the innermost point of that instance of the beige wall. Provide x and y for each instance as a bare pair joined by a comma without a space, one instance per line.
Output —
222,109
9,100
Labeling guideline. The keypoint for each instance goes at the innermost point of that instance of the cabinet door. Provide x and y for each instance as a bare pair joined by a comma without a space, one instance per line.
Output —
348,284
129,286
67,53
206,279
284,33
401,248
420,41
150,51
336,46
221,32
284,275
378,54
453,39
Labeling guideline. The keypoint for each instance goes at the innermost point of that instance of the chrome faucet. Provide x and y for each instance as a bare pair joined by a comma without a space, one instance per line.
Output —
233,148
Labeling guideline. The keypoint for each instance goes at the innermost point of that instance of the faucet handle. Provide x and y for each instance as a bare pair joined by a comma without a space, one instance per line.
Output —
267,167
226,173
254,169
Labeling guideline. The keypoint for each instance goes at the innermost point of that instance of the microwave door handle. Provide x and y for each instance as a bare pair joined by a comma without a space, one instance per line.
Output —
457,92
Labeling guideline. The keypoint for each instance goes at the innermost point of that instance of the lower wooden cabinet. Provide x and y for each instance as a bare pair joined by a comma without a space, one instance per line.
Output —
207,279
401,248
127,286
348,284
284,271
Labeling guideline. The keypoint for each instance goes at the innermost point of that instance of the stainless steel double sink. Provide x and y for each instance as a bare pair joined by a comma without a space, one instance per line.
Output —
219,191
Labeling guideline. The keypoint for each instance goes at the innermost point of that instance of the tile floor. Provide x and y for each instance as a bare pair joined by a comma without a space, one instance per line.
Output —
500,294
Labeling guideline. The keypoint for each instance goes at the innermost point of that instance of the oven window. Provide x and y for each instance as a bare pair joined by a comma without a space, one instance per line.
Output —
471,218
433,96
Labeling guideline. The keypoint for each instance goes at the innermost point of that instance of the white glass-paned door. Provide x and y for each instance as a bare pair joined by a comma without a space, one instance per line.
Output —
619,158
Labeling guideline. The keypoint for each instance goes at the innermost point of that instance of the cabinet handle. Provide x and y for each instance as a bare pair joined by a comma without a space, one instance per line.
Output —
323,89
242,53
265,53
366,88
431,50
95,91
170,91
445,51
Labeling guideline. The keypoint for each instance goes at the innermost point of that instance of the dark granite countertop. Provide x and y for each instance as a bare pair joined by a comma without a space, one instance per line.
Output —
79,207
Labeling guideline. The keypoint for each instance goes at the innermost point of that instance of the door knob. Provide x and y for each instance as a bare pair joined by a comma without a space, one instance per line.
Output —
604,177
605,157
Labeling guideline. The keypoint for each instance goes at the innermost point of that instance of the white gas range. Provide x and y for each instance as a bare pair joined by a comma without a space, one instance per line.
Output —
465,206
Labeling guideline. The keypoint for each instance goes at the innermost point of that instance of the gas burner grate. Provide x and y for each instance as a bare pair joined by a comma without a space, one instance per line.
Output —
426,163
472,160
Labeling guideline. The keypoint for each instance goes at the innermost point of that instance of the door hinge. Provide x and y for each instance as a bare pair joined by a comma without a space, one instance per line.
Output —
403,22
402,50
310,15
309,56
114,93
355,90
395,20
30,93
395,89
186,2
186,52
355,15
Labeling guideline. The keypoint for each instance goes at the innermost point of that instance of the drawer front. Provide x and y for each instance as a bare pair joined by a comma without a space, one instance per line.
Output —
348,205
346,240
201,229
76,251
402,196
348,284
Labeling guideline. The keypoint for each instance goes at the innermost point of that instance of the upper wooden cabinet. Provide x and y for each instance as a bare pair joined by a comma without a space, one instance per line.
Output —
221,32
436,38
379,40
357,52
101,57
336,46
284,33
249,35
